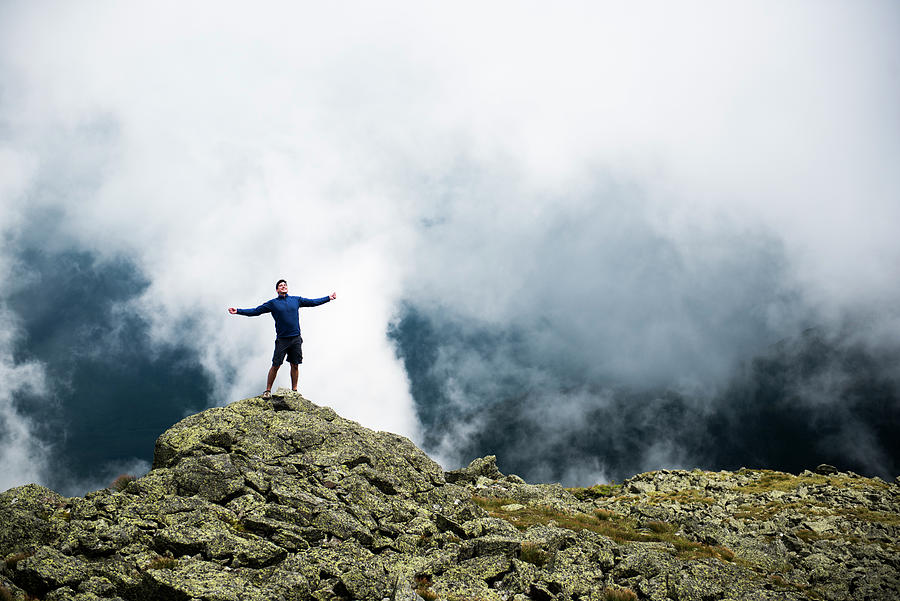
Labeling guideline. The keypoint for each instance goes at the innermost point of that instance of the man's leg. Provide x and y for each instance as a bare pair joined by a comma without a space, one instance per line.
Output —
295,358
281,347
270,379
295,375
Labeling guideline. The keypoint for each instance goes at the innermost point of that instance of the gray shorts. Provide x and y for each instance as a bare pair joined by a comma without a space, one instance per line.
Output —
290,346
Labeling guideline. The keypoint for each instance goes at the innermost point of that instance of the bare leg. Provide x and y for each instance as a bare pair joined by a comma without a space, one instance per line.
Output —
270,379
295,375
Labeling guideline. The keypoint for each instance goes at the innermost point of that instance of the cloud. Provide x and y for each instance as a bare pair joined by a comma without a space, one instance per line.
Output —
86,390
213,175
23,455
644,194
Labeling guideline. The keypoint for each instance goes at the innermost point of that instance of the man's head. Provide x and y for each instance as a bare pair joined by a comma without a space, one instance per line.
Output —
281,287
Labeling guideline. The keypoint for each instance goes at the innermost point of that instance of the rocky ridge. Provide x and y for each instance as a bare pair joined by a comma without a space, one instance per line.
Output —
292,502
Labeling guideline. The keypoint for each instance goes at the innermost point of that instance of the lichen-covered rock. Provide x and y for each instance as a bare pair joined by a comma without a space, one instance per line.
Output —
48,569
25,514
209,580
484,467
292,502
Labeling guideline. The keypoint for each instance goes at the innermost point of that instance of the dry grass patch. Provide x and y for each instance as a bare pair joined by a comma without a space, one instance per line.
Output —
121,482
687,496
865,515
13,560
161,563
619,594
764,513
771,480
598,491
692,550
659,527
810,536
604,514
532,553
422,585
533,515
608,524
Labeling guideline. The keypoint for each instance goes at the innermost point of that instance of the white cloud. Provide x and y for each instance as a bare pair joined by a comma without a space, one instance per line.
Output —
23,455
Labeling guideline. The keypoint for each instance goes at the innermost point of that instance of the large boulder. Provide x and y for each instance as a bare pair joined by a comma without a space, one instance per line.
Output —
24,513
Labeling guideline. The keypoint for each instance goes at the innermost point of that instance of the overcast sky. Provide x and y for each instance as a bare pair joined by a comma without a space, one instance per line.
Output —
608,196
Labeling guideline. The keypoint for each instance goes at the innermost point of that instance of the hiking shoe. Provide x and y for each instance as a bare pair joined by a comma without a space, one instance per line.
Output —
267,395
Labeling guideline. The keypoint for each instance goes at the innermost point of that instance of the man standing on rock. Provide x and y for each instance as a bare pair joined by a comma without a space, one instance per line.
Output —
285,311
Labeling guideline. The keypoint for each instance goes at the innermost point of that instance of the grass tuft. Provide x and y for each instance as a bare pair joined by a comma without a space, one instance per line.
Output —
422,585
619,594
533,553
121,482
13,560
692,550
660,527
161,563
604,514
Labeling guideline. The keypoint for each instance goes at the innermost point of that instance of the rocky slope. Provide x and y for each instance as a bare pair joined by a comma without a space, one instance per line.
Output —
291,502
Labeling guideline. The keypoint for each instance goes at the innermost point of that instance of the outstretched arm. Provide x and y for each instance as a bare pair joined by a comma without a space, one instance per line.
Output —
315,302
263,308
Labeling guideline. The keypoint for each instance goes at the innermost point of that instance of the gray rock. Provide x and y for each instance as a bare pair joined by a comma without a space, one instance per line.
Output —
25,512
826,470
249,502
484,467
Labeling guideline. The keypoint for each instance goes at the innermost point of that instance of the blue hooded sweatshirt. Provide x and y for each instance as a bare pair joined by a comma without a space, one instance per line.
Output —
286,312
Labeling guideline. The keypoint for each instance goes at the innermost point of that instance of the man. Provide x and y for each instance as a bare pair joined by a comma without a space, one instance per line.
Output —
286,312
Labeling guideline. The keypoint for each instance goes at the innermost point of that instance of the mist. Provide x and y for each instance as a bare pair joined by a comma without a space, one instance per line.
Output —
552,227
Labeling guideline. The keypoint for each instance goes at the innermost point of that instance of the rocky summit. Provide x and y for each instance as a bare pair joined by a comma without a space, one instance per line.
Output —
255,501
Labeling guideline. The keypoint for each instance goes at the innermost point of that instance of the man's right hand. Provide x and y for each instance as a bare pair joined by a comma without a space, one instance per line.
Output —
232,310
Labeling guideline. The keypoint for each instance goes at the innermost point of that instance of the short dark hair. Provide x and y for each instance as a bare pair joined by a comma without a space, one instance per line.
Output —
278,282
